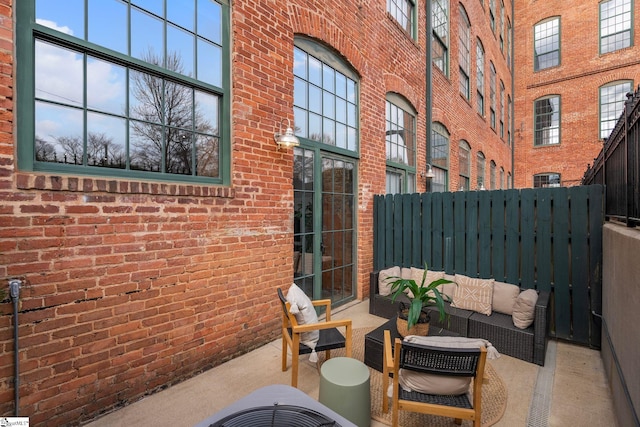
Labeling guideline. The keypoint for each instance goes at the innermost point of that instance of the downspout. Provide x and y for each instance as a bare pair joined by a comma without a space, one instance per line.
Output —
513,94
429,89
14,291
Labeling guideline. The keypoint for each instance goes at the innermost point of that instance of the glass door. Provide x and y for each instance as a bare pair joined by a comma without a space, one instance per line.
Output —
324,218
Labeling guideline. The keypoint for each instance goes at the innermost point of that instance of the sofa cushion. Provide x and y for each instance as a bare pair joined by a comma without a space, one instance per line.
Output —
385,281
524,308
473,294
504,297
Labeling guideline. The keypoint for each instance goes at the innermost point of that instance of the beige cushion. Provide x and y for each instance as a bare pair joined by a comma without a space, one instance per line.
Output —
504,297
384,281
449,289
302,308
405,273
416,274
473,294
524,309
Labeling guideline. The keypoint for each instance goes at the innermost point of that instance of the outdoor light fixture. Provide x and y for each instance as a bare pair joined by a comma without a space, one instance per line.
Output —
429,174
288,139
481,188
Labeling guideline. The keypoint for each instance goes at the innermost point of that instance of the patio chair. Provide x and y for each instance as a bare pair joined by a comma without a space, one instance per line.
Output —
437,361
330,336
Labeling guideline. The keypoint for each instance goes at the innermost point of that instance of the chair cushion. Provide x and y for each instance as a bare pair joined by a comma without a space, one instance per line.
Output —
524,309
504,297
305,313
384,281
473,294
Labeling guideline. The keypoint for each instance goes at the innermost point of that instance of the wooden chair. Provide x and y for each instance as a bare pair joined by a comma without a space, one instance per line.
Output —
330,336
433,360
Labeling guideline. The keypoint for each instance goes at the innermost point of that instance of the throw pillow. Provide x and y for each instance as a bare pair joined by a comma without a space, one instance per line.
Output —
525,308
504,297
473,294
305,313
449,289
384,281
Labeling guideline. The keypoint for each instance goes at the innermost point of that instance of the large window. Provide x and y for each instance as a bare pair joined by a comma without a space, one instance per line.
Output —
401,145
325,97
544,180
547,44
509,43
439,157
403,11
480,78
440,42
547,121
616,29
142,94
464,55
492,95
612,98
464,165
501,26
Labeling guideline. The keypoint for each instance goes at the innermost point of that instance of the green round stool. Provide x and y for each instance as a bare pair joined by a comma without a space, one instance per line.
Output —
344,388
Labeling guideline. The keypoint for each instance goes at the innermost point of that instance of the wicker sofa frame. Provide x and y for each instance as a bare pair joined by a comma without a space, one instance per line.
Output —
528,344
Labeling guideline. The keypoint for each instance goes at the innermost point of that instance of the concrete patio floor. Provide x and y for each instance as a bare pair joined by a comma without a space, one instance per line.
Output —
570,390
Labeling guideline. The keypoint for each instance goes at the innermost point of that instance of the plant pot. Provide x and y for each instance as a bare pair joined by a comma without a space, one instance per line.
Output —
421,328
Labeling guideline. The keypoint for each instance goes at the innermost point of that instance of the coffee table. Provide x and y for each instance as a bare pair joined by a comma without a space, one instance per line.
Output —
374,341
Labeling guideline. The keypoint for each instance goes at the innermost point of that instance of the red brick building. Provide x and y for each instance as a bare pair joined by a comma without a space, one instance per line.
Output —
575,61
150,215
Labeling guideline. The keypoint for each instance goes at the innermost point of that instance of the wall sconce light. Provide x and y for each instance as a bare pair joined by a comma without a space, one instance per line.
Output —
288,139
481,188
429,174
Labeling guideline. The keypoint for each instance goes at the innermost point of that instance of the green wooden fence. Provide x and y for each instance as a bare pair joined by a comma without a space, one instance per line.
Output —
545,239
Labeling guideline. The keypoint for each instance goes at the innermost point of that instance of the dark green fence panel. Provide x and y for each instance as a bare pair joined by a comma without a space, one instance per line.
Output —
484,226
459,233
543,240
498,244
513,236
528,244
546,239
561,253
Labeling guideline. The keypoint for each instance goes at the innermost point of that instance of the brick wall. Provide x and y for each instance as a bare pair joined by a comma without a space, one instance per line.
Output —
460,116
577,79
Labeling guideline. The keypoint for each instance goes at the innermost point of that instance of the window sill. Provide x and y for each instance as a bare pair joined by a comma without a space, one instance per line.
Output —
48,182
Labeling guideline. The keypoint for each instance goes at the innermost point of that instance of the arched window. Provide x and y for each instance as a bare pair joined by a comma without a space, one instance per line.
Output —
400,137
480,170
547,120
616,25
480,77
543,180
464,165
439,157
492,95
325,97
612,98
440,41
546,44
492,175
464,53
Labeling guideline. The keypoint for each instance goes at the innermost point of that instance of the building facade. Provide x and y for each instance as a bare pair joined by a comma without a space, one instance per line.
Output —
575,63
149,214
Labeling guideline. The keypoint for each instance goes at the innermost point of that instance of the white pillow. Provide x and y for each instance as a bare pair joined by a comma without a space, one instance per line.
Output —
524,310
384,281
305,313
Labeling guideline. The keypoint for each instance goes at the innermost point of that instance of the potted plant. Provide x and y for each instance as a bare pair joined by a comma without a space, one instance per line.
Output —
414,319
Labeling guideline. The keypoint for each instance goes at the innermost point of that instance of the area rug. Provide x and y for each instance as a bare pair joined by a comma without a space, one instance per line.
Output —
494,394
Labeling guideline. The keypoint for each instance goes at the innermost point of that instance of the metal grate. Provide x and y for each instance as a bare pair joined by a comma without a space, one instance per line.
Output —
276,416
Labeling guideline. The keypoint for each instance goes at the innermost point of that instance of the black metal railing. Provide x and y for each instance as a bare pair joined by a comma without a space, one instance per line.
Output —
618,164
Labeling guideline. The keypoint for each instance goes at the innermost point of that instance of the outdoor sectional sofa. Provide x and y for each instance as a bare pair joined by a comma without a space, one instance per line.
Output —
529,344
